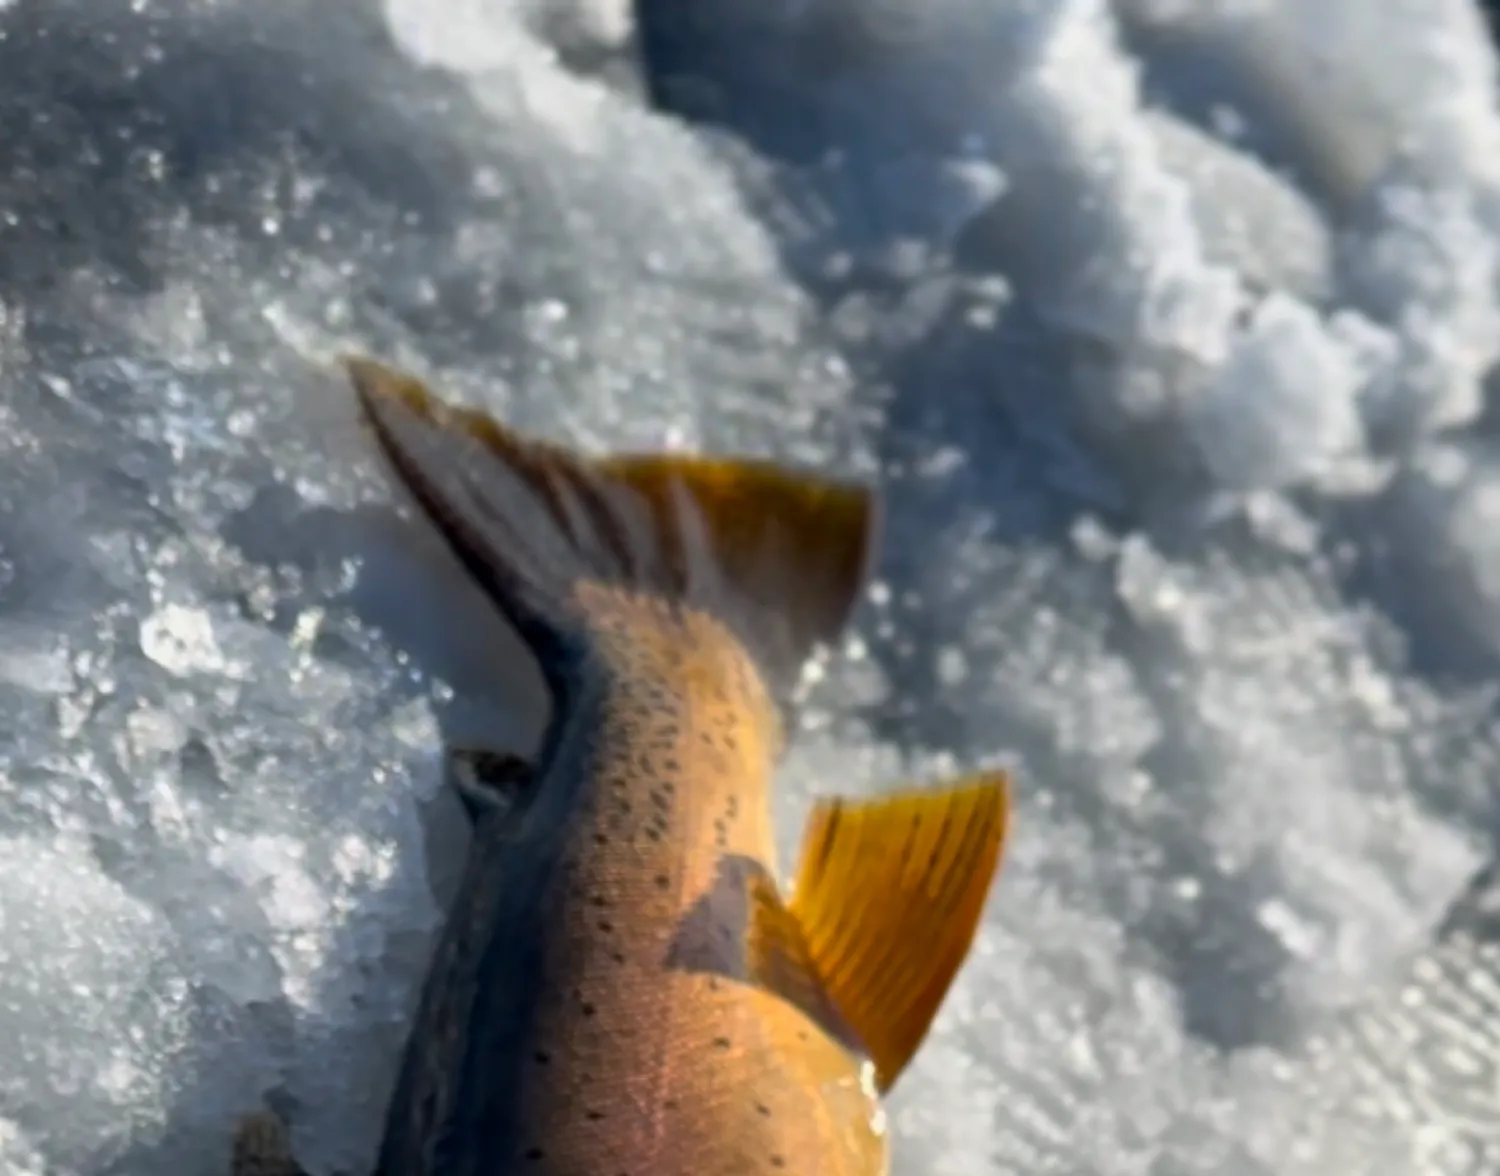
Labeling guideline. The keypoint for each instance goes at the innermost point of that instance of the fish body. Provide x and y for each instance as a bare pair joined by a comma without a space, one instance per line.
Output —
622,987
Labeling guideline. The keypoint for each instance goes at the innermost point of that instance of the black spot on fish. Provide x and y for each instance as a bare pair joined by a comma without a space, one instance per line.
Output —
762,1110
663,882
542,1058
722,1043
533,1153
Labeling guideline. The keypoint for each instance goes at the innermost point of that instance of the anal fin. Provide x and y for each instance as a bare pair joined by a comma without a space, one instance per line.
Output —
888,896
777,959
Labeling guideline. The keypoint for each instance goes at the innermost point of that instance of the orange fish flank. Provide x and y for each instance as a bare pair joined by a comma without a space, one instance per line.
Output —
623,987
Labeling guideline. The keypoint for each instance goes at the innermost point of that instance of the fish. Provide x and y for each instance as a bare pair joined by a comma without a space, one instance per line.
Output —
623,985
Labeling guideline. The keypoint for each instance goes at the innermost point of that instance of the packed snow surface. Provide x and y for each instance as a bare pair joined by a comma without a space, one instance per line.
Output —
1167,324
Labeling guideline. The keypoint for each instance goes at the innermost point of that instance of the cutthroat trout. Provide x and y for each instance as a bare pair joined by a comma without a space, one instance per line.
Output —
622,987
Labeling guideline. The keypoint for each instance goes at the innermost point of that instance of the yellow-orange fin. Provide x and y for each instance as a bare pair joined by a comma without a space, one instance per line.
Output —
779,555
777,959
888,896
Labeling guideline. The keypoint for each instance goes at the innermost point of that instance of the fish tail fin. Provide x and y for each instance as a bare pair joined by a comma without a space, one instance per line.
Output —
779,556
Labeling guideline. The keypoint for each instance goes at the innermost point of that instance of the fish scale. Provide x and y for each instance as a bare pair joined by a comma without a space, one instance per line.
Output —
681,738
622,988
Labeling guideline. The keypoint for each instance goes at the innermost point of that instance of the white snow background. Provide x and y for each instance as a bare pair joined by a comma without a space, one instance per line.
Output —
1170,327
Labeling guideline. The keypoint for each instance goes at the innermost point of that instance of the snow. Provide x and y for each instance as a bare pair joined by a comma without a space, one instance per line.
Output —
1169,329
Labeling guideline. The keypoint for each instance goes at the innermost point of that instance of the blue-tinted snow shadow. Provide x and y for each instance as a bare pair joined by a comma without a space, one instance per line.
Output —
113,126
1008,398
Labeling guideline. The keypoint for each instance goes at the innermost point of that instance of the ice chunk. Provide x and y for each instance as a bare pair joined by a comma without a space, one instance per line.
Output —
181,640
1251,219
1403,163
1283,408
18,1153
80,952
1072,272
29,660
1445,506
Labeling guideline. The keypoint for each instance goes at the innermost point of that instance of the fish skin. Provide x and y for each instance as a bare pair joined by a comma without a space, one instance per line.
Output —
556,1034
593,1007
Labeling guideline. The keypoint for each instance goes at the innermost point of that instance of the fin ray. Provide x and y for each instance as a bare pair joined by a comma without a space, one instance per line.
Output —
888,894
778,555
777,958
